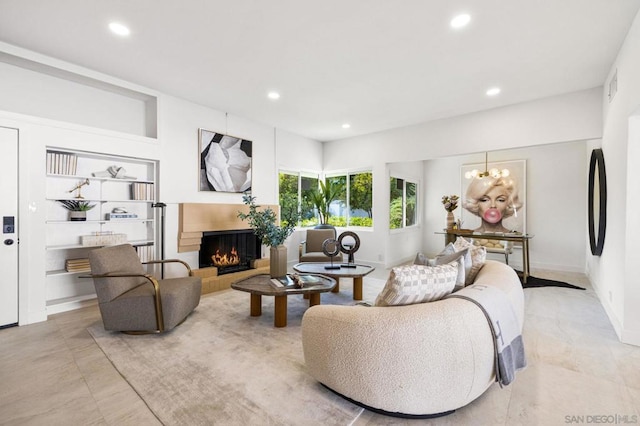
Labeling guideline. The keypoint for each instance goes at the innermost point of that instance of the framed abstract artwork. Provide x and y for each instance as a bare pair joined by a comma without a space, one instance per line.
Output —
225,162
495,202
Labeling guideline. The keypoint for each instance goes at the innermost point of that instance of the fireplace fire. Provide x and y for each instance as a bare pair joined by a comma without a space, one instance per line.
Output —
226,259
229,251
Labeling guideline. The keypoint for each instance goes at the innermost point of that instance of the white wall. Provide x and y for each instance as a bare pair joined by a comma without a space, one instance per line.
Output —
614,274
39,89
556,200
571,117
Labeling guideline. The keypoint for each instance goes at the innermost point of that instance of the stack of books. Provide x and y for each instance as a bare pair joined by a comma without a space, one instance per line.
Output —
61,163
142,191
77,265
146,253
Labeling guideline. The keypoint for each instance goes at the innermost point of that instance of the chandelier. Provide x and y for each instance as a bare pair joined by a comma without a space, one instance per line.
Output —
494,173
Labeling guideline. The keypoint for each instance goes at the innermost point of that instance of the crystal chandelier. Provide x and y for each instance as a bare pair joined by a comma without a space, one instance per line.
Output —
494,173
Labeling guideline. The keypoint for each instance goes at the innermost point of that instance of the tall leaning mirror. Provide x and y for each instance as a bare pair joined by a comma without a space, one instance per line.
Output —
597,202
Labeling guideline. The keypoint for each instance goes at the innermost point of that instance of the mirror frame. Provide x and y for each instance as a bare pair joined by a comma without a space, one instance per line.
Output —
597,165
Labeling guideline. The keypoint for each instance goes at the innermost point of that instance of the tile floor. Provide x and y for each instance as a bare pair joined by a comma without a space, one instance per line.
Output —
53,373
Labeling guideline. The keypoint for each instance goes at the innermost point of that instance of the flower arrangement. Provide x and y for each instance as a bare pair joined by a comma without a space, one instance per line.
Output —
450,202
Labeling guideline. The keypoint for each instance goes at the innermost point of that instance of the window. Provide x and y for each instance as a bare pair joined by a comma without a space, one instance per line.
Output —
308,216
353,206
294,194
361,199
402,203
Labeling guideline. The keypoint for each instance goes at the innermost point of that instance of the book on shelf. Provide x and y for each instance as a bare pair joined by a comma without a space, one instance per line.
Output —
61,163
77,265
120,216
145,253
142,191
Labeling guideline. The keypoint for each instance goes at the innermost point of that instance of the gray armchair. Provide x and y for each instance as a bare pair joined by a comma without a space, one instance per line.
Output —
310,250
135,302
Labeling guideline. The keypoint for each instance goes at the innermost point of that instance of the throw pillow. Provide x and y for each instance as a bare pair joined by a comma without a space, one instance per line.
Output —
417,284
477,257
448,255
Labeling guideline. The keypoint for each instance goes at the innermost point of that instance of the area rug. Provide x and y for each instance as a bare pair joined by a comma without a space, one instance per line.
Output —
533,282
222,366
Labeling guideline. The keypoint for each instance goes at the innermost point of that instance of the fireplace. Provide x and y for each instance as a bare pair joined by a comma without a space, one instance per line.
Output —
229,251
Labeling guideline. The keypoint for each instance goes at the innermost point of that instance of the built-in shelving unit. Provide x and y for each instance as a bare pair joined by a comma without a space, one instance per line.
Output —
132,190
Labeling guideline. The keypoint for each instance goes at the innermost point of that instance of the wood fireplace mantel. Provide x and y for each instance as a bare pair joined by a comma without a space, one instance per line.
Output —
196,218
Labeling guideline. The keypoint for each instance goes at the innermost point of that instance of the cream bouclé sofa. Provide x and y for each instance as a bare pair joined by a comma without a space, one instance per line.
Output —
420,360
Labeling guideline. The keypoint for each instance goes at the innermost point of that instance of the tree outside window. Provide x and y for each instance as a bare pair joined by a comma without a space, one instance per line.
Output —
294,194
288,193
308,213
402,203
338,207
361,199
354,204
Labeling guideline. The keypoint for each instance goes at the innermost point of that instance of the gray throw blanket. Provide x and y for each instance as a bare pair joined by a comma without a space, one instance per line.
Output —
507,340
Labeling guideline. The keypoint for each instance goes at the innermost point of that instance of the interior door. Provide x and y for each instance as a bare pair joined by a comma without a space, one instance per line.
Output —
9,239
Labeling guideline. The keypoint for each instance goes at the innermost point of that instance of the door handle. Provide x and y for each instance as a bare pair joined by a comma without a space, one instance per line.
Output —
8,242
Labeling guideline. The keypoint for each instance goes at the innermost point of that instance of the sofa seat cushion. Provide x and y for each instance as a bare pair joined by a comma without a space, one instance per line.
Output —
412,284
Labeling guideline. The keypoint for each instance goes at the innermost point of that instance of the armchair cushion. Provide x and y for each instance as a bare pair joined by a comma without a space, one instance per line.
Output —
133,310
311,248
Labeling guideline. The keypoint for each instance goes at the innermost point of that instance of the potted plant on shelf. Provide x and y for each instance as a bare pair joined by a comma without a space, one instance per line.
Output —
322,199
263,221
77,209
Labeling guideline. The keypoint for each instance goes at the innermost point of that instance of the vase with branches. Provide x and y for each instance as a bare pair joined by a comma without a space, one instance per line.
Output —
264,223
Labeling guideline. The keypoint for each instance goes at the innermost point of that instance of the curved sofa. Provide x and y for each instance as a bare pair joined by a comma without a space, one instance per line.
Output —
418,360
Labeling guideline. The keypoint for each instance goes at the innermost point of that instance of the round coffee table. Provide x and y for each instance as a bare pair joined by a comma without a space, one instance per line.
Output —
353,271
261,285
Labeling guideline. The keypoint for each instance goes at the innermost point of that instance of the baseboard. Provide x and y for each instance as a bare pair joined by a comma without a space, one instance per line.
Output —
608,309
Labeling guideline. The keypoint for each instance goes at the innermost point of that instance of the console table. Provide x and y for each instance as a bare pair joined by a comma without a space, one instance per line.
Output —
451,234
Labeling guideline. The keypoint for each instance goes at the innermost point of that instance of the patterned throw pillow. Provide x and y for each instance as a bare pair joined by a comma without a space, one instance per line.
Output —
477,256
448,255
417,284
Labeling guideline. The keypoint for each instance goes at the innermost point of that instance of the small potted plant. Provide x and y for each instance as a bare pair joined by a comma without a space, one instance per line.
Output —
77,209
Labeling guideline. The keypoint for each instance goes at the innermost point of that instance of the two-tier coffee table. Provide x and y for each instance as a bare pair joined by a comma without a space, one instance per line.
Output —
261,285
356,273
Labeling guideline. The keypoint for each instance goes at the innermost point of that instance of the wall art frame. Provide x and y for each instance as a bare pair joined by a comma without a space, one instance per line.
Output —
517,174
225,162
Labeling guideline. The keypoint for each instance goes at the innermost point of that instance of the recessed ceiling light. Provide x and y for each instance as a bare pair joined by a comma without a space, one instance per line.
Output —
273,95
493,91
460,20
346,126
119,29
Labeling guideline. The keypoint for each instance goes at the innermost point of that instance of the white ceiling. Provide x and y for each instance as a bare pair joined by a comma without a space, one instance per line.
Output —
376,64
